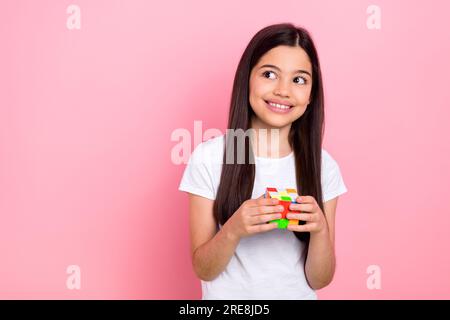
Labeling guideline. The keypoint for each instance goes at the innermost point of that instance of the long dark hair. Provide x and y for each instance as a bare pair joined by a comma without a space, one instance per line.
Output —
305,136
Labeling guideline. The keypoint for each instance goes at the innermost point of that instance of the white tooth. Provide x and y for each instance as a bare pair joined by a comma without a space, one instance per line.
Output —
279,105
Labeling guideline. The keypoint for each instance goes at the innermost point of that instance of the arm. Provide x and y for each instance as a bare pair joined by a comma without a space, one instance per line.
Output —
211,250
321,261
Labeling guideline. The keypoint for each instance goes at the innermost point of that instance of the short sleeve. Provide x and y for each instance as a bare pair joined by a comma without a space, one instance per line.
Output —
332,181
197,176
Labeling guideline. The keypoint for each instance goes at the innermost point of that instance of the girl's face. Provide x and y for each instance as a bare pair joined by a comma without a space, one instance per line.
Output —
283,75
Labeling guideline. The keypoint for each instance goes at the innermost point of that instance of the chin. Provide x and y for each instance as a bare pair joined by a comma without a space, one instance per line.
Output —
276,124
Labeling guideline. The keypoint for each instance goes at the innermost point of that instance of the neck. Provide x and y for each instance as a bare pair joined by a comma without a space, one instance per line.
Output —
270,142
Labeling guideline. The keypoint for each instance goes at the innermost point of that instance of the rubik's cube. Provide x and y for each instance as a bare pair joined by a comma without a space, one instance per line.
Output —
286,197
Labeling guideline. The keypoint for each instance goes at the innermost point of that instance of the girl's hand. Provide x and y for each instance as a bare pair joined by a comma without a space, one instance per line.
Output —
252,217
309,212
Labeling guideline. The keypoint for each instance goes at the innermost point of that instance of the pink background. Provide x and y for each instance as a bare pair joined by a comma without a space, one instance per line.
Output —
86,116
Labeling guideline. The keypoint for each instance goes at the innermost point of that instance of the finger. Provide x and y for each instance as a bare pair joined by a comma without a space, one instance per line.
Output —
264,218
263,202
253,202
268,209
301,207
304,199
266,201
301,216
262,210
263,227
302,227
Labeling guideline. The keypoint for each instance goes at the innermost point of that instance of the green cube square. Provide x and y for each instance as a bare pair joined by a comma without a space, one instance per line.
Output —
283,223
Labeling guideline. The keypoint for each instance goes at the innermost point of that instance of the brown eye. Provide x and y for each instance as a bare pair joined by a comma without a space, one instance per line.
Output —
304,80
266,72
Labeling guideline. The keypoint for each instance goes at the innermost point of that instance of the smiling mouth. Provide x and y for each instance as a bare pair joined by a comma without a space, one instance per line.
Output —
277,107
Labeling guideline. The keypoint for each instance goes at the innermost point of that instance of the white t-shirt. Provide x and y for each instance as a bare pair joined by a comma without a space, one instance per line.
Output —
267,265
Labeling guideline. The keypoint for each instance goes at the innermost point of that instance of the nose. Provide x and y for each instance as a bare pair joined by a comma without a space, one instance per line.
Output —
282,89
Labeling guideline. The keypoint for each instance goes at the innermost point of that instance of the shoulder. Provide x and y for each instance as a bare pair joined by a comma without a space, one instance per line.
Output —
215,143
209,151
328,162
332,181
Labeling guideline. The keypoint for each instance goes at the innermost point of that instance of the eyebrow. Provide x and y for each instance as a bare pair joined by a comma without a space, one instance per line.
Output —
275,67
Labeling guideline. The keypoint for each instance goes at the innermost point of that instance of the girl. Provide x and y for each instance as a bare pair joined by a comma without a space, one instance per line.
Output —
235,252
